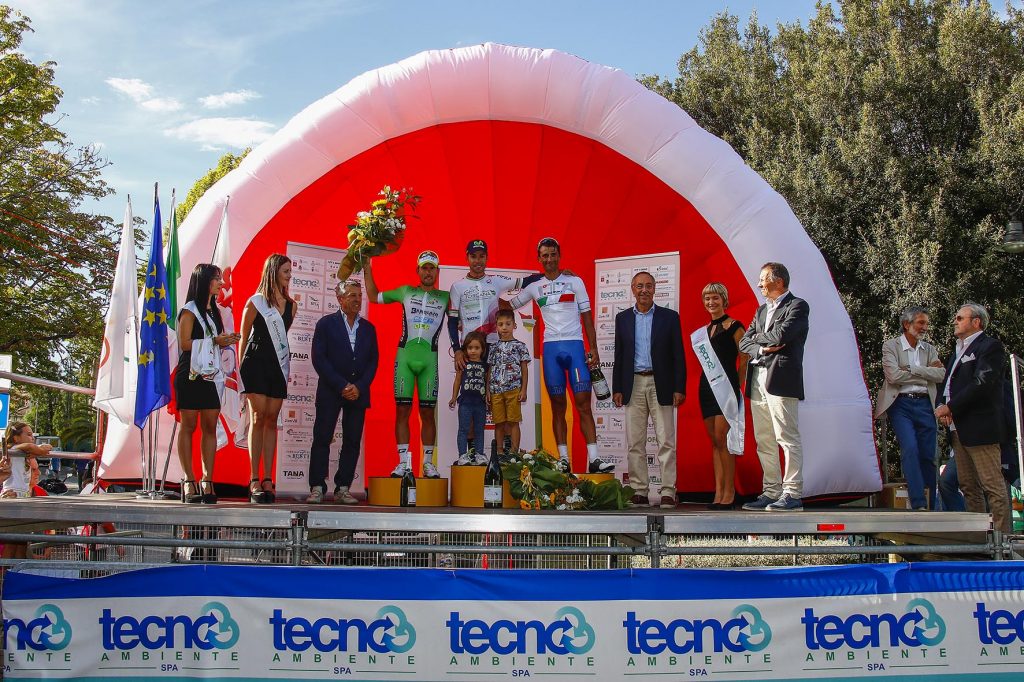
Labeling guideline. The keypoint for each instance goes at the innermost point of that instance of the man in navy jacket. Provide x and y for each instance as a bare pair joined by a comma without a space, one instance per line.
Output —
649,378
970,405
345,358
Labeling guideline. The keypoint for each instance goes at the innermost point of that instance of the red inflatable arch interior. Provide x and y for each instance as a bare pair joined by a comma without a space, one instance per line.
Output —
512,183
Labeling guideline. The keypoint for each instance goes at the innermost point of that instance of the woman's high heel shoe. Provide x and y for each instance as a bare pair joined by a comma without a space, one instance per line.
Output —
190,492
206,487
271,494
256,494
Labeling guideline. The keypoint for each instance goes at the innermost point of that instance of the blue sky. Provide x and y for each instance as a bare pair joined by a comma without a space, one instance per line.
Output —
165,88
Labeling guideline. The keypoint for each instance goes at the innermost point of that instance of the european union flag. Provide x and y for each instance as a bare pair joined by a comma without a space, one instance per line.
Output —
154,387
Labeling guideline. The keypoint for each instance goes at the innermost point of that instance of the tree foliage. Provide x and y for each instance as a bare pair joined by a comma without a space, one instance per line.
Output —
895,130
225,165
56,261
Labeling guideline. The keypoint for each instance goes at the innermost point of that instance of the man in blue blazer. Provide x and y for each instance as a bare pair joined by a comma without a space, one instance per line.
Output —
775,386
345,358
649,378
970,405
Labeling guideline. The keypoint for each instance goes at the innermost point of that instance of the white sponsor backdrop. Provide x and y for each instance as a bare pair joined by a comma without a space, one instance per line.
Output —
447,419
952,621
611,296
314,275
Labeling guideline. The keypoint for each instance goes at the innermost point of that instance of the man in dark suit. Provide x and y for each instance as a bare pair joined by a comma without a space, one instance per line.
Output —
775,386
345,358
649,378
970,405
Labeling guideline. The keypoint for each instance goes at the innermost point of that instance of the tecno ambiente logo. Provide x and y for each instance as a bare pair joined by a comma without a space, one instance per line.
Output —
389,632
744,630
920,625
214,628
568,633
47,630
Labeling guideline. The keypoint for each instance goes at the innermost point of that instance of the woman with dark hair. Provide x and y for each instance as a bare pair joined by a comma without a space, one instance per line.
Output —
199,379
717,349
265,365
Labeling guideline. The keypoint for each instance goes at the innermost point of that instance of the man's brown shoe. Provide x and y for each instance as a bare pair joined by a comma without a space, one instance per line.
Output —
668,502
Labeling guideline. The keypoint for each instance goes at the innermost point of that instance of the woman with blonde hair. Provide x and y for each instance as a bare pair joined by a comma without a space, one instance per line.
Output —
20,444
264,370
721,405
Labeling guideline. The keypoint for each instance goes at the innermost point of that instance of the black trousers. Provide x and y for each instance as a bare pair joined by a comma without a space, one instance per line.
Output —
352,417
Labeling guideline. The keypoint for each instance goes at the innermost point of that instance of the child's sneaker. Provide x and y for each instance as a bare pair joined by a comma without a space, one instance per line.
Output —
467,458
481,459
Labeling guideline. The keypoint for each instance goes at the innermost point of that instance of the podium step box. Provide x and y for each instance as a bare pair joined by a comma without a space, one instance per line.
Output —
431,492
468,486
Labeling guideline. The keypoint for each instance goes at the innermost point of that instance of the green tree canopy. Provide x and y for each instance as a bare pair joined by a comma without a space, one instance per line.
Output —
225,165
895,130
56,261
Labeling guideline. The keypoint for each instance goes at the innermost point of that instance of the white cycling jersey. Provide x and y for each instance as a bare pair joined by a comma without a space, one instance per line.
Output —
474,302
561,300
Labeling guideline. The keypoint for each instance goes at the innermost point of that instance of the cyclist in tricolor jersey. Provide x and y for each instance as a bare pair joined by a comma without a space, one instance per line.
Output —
423,311
564,303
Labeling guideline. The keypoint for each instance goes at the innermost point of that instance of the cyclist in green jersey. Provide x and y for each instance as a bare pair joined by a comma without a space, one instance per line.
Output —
423,316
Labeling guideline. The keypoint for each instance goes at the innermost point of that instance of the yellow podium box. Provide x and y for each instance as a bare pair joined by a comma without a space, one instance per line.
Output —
596,478
385,491
431,492
507,501
468,486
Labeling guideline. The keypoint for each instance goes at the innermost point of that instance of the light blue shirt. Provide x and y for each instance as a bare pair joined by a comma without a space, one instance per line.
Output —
351,329
642,342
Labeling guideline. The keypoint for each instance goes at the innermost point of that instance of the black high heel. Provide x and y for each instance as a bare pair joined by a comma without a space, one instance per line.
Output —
269,495
208,497
256,495
190,492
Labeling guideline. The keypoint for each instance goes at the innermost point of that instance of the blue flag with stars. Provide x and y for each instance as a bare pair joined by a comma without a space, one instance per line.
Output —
154,387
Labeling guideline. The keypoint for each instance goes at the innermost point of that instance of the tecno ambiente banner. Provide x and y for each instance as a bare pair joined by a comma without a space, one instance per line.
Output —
948,620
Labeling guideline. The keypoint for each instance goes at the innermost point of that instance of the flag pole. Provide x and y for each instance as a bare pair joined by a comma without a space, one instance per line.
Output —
162,492
142,432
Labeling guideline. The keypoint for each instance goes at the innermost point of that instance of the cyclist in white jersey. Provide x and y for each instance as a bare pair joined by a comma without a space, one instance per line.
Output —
423,311
564,303
473,300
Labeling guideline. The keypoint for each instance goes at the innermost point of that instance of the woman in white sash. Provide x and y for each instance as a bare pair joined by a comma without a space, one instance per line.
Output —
199,380
264,369
721,404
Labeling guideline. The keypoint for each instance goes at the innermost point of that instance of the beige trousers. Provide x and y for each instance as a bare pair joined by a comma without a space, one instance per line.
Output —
776,423
643,405
980,470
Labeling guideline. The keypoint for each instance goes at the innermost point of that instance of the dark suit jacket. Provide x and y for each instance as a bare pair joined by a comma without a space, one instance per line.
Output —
976,392
789,328
667,357
338,364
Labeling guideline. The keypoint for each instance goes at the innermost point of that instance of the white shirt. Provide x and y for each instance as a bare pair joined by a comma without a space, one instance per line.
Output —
351,329
474,302
961,346
914,354
772,306
561,300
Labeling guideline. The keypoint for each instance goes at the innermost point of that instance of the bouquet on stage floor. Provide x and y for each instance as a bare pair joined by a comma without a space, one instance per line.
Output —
378,231
535,480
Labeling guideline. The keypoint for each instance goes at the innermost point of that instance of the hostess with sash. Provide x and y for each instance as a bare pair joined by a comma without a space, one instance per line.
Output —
205,360
277,330
722,388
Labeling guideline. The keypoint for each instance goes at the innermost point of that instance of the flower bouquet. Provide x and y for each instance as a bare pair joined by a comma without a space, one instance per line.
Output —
378,231
535,480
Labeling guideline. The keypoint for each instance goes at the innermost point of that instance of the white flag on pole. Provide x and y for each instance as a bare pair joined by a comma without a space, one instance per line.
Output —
231,406
118,372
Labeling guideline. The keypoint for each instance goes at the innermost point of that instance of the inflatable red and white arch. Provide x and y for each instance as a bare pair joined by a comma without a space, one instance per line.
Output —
512,144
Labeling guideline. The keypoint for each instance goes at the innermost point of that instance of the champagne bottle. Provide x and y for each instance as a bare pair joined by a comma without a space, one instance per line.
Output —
407,497
597,381
492,480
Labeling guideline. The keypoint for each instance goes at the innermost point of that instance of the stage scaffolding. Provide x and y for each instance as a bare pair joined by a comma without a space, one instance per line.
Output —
67,536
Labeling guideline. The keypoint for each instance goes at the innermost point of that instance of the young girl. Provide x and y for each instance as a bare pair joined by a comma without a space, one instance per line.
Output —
22,449
470,391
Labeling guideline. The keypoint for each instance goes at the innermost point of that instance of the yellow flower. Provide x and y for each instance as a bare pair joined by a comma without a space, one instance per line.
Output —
523,504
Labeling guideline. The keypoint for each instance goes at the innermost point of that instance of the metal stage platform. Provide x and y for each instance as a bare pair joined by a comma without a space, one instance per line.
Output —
148,532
